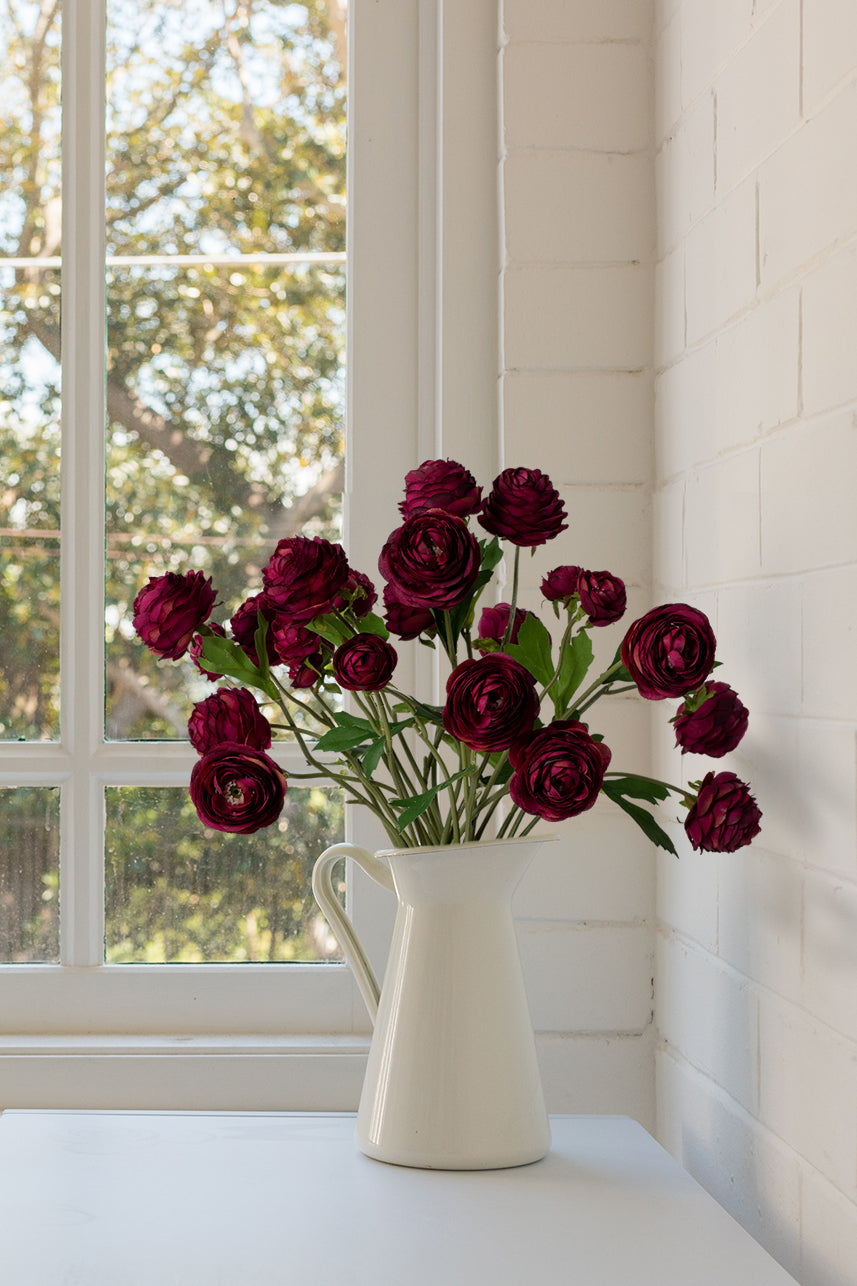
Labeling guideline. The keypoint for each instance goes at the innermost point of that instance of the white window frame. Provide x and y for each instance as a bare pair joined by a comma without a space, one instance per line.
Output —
422,348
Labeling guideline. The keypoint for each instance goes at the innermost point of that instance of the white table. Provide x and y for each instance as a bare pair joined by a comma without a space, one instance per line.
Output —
236,1199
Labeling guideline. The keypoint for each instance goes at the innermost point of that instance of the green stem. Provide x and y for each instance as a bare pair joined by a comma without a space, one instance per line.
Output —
602,680
449,641
510,624
613,692
563,645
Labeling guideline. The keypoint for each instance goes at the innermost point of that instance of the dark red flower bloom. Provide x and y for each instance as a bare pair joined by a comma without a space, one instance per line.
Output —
169,610
236,788
364,663
431,561
490,703
441,484
561,584
303,576
404,620
602,597
669,651
244,624
358,595
229,714
558,771
306,673
494,621
524,507
195,651
724,817
292,643
715,725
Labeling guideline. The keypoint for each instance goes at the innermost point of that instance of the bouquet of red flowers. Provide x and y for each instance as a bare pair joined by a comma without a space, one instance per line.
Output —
515,725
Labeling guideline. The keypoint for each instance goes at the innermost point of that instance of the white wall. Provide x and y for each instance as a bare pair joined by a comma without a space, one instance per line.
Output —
576,283
755,521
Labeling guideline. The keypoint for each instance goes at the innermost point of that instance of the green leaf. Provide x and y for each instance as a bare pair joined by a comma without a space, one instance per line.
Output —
644,820
346,720
372,624
222,656
636,787
330,628
261,646
492,552
622,675
428,714
372,756
416,805
573,668
533,649
342,739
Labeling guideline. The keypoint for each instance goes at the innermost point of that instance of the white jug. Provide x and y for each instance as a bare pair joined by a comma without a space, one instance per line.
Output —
452,1080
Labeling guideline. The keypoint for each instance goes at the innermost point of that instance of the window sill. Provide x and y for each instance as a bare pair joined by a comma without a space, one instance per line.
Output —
212,1073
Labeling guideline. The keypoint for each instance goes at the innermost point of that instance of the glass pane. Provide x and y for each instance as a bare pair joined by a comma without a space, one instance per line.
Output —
29,371
179,892
29,874
226,317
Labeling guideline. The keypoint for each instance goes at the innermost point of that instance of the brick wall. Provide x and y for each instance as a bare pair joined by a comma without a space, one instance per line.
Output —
755,521
576,281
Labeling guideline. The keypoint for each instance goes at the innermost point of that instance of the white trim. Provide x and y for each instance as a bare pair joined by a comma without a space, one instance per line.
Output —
422,380
184,261
83,418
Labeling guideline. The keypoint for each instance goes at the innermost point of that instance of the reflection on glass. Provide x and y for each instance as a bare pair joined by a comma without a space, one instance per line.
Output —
29,372
225,293
179,892
29,874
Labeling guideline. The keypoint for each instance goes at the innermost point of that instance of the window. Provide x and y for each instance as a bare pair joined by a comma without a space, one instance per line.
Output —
190,344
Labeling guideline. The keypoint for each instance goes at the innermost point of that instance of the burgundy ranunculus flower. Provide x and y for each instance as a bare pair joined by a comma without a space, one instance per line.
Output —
303,576
715,725
602,597
358,595
195,651
245,623
236,788
441,484
292,643
560,584
669,651
169,610
404,620
724,817
431,561
229,714
558,771
524,507
306,673
364,663
494,621
490,703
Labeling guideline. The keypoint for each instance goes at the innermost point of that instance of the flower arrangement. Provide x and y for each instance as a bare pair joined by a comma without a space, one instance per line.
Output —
516,721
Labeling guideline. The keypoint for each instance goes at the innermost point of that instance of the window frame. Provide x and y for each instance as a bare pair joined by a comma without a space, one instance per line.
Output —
422,381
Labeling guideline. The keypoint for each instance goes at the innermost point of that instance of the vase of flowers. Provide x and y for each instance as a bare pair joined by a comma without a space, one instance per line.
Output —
512,743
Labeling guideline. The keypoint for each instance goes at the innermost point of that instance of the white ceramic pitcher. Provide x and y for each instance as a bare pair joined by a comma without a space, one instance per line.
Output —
452,1080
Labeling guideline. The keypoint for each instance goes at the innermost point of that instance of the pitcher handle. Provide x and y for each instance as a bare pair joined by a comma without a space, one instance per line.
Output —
343,929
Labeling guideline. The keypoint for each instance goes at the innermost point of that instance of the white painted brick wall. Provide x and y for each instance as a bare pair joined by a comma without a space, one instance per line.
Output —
578,243
755,520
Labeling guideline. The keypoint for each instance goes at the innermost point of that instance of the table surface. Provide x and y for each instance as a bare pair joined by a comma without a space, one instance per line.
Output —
238,1198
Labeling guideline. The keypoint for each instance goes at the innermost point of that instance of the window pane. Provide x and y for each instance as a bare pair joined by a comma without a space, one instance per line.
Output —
29,371
29,874
226,319
179,892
